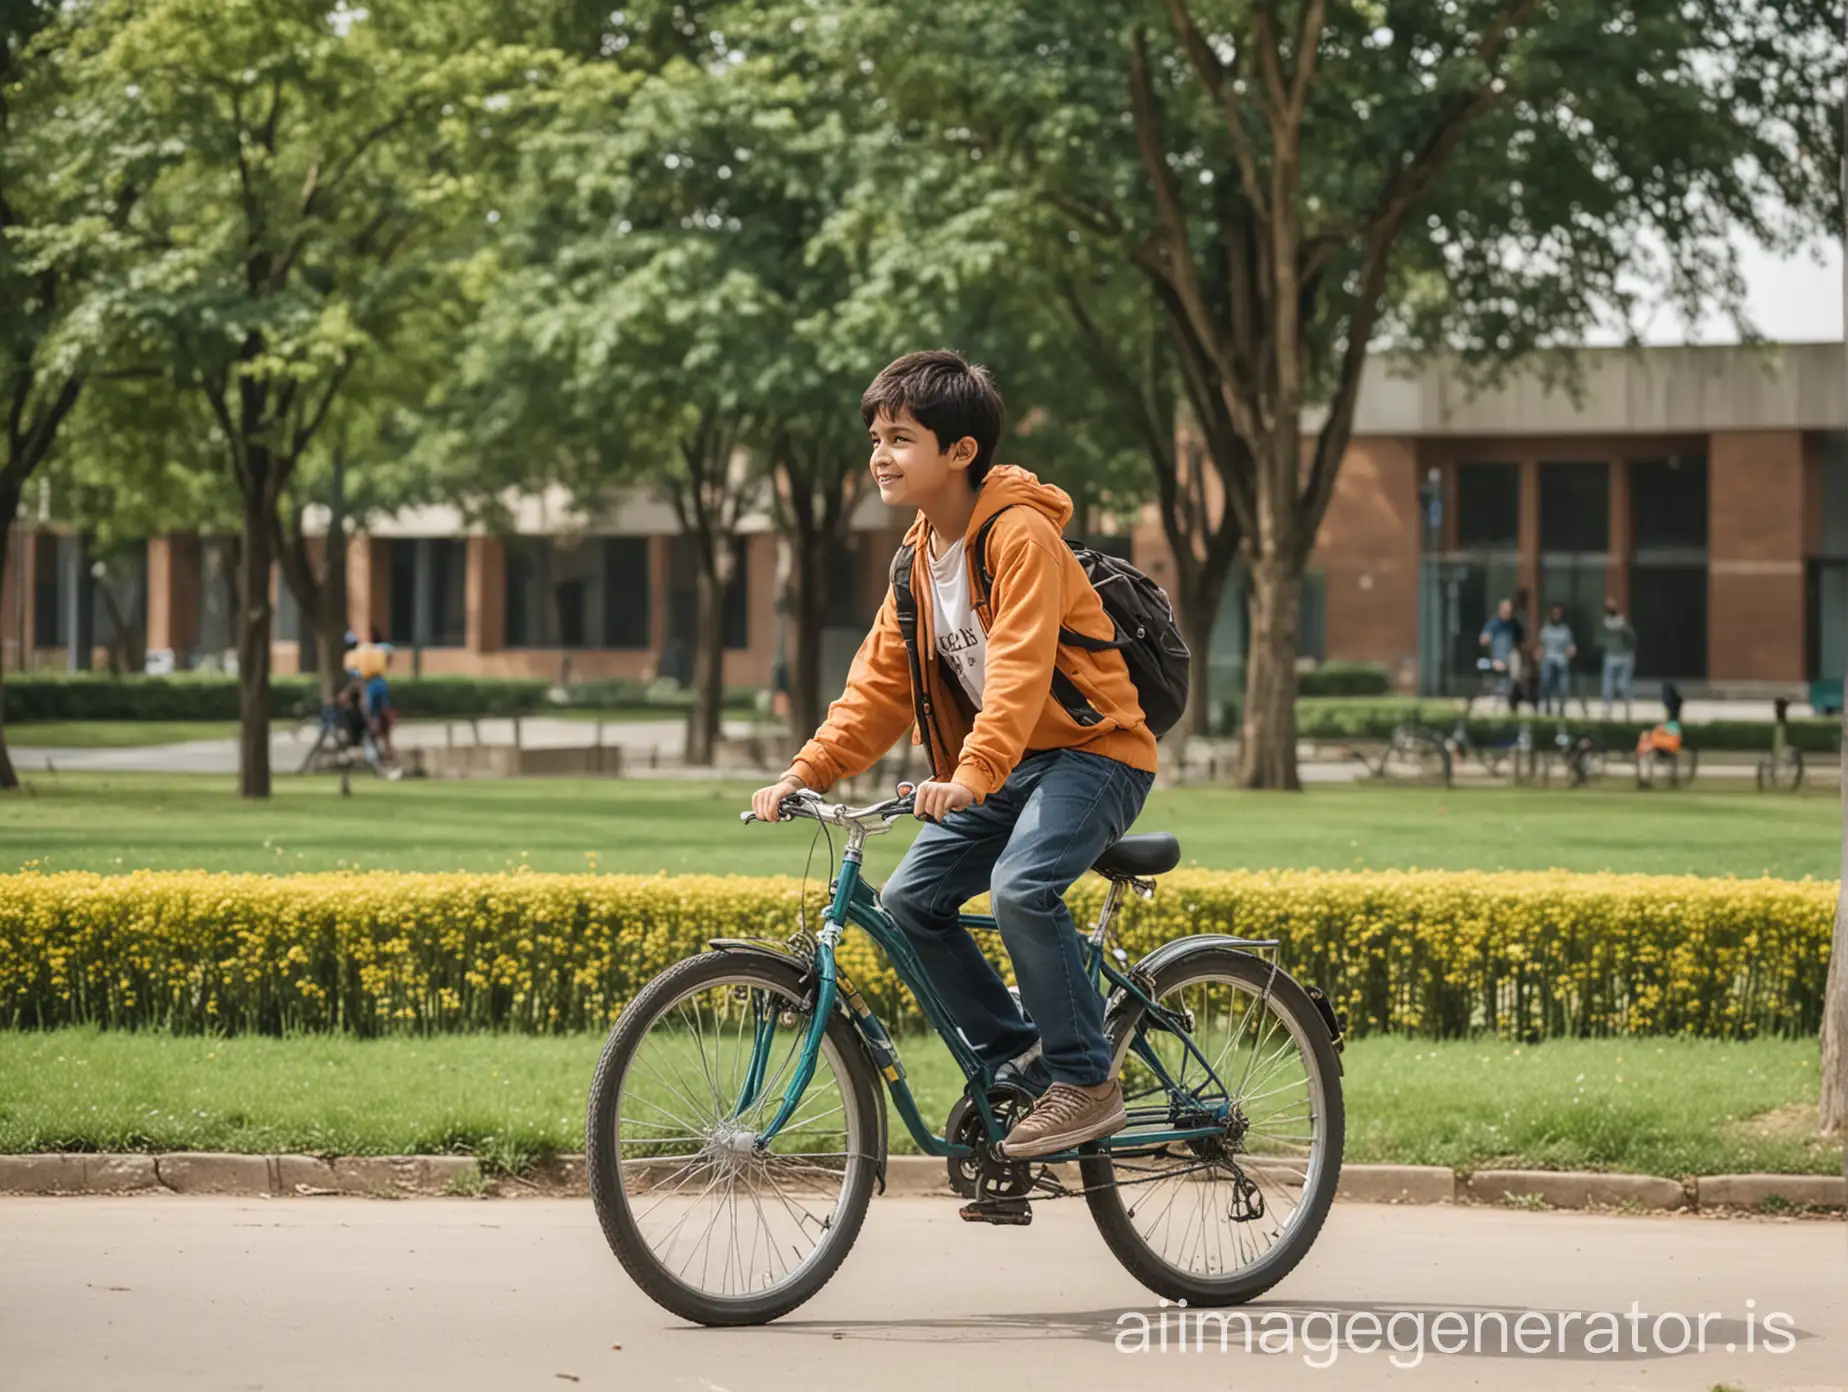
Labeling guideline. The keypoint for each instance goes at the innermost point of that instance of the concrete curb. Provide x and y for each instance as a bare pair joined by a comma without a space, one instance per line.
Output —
1576,1189
1771,1191
404,1176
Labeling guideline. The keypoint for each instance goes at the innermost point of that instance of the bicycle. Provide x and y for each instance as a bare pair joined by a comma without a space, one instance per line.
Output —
1584,762
736,1129
1414,753
1783,769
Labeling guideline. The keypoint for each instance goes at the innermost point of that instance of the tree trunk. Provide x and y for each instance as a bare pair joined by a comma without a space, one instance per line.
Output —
9,511
253,648
708,660
1267,737
805,609
1199,604
330,612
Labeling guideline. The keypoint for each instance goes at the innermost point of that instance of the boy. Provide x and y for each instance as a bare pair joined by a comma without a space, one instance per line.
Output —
1032,777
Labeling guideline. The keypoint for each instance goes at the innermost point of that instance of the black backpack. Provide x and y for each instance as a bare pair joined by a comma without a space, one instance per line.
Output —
1146,635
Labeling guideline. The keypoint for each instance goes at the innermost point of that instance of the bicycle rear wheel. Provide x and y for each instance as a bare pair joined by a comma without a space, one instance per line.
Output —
711,1228
1222,1220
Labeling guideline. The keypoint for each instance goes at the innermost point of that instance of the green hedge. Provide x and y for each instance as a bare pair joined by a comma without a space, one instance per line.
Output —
1344,679
1336,720
1438,954
38,697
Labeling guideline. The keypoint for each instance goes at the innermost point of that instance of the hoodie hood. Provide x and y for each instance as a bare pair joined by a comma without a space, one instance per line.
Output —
1007,485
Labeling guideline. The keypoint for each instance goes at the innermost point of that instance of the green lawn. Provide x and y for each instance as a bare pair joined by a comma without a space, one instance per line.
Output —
113,822
114,734
1670,1106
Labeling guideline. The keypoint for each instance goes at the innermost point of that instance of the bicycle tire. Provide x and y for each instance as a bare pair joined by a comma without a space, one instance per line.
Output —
1114,1218
848,1059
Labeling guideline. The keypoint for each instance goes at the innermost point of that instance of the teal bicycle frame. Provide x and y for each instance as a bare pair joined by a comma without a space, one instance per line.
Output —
856,903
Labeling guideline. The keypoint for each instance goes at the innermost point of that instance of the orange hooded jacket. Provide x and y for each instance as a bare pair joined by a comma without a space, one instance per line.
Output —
1038,586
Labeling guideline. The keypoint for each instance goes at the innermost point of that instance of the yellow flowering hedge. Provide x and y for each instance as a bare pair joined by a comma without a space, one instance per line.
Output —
1521,955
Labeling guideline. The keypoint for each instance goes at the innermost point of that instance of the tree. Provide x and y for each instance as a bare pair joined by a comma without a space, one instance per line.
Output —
1296,180
310,166
63,203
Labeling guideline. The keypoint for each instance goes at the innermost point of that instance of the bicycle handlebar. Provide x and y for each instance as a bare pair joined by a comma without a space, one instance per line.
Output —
810,805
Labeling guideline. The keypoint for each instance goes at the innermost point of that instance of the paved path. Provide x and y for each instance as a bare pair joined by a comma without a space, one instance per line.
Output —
289,746
185,1293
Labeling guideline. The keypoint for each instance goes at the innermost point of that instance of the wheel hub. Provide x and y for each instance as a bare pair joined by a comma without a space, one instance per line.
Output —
731,1150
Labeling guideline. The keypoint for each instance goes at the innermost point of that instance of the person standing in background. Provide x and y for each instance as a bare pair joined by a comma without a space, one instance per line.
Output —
1556,653
1503,636
1619,657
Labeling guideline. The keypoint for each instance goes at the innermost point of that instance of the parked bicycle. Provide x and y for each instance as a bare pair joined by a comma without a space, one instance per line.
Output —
736,1129
1581,758
1782,770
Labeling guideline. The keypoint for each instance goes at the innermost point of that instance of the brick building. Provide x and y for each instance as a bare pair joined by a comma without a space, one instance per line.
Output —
1705,488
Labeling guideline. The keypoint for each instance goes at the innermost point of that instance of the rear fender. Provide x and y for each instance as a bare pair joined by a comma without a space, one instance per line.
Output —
1149,969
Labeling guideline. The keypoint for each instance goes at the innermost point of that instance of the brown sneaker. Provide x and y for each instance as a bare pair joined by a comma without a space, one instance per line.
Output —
1065,1116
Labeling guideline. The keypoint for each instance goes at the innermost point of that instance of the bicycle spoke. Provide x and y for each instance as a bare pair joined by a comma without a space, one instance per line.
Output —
715,1213
1200,1212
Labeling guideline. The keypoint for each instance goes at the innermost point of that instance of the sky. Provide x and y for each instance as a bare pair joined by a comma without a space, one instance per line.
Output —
1789,301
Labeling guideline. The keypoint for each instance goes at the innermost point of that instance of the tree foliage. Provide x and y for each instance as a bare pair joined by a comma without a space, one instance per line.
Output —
1297,182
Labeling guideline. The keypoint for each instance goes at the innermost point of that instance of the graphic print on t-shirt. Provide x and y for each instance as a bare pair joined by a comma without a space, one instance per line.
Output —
960,639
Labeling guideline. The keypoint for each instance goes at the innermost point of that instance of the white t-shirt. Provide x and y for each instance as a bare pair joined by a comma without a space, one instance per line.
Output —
958,628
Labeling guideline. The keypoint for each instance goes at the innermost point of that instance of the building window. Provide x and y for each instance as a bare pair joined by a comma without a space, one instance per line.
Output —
429,592
528,571
592,592
1488,507
1575,508
737,604
1668,504
1668,606
683,606
1668,567
47,592
288,612
1465,585
845,603
627,594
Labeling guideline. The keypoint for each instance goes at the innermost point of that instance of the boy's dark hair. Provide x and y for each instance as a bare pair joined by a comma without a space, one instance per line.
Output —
950,396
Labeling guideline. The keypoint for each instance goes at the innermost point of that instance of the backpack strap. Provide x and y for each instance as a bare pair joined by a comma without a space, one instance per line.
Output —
987,580
1064,690
906,603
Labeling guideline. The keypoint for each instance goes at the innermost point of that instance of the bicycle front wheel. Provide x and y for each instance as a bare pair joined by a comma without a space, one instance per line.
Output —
1221,1220
710,1227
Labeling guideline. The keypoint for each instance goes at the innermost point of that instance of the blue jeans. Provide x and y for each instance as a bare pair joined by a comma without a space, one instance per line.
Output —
1618,670
1026,845
1554,684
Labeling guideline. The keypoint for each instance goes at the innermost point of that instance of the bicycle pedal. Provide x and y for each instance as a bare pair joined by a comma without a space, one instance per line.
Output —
1007,1213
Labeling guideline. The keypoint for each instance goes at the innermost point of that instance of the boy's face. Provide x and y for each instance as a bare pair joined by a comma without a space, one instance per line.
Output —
907,466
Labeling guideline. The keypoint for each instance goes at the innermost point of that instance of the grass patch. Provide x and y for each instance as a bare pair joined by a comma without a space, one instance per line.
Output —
110,822
113,734
1669,1107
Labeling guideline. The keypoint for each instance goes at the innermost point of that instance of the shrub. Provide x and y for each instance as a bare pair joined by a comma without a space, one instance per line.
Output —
1519,955
82,697
1344,679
